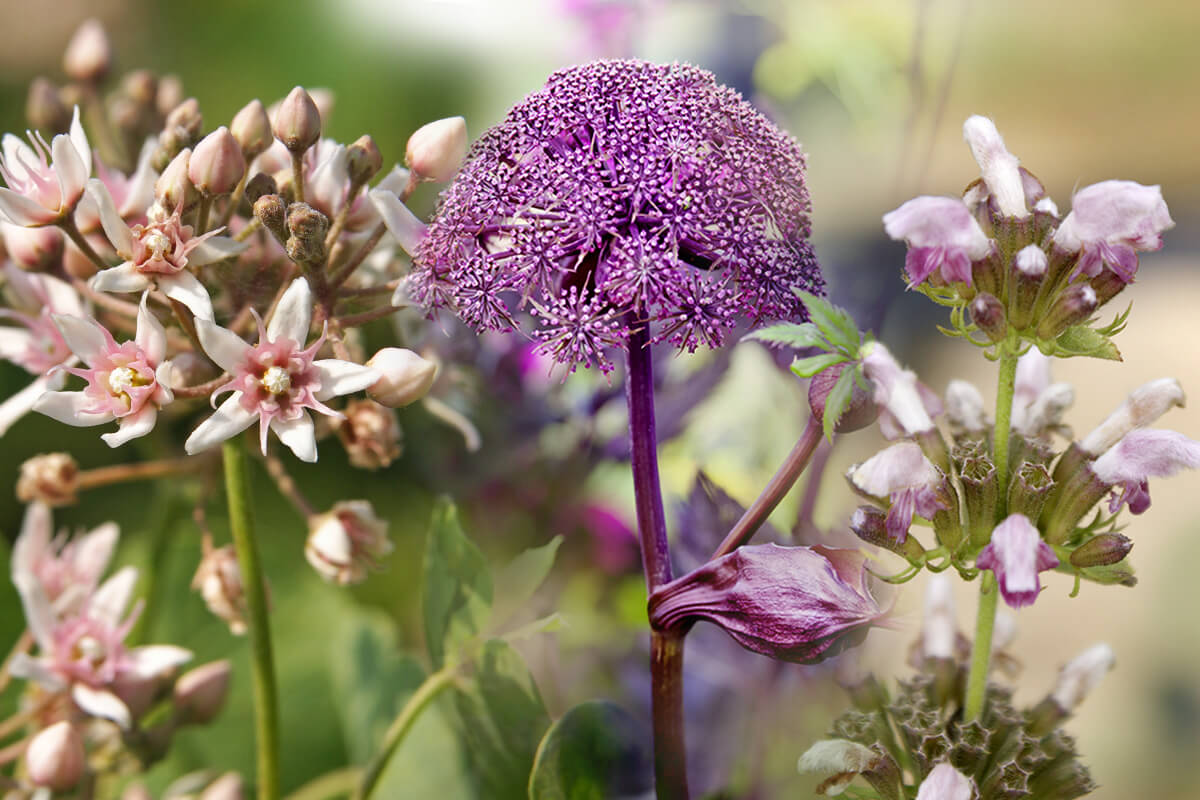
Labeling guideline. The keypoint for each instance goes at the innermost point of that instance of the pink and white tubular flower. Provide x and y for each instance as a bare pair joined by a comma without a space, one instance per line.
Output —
159,253
999,168
1038,404
902,474
45,181
36,345
1017,554
906,406
275,381
1142,454
1109,223
944,782
67,571
85,653
941,234
127,382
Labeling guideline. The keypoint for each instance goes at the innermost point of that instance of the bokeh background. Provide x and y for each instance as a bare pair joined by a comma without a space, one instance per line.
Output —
876,90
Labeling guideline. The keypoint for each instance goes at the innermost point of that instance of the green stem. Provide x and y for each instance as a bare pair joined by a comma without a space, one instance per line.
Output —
425,694
989,594
339,783
266,704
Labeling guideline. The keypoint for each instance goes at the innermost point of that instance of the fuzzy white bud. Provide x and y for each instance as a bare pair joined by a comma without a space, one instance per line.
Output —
406,377
1143,407
1031,261
965,407
436,150
55,758
998,166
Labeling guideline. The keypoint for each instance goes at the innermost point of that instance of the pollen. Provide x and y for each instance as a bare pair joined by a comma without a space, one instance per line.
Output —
120,379
276,380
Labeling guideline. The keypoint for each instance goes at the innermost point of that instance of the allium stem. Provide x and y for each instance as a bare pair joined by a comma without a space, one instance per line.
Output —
989,594
666,649
266,704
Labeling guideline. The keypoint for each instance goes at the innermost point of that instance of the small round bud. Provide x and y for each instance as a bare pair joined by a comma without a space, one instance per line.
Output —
370,434
217,166
252,128
260,185
219,581
200,693
862,410
306,228
363,159
297,121
229,786
174,190
406,377
88,56
987,312
346,541
52,478
44,108
1031,262
170,94
186,120
141,86
1101,550
271,211
55,758
436,150
33,249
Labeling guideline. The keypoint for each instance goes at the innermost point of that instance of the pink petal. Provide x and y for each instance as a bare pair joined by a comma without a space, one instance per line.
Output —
1147,453
86,338
68,408
21,403
944,782
215,248
154,660
933,222
23,211
132,426
80,142
115,229
407,229
151,337
103,704
109,601
121,278
71,171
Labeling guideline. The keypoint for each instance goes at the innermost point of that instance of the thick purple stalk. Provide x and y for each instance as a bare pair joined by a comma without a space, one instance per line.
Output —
666,660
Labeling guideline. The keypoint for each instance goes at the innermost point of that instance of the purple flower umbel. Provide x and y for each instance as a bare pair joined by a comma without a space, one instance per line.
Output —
623,194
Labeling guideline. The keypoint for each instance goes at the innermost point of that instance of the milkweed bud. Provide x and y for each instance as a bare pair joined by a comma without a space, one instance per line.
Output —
44,109
88,56
436,150
217,166
33,249
219,581
297,121
363,159
406,377
271,211
55,757
370,434
51,478
200,693
187,120
173,189
229,786
347,541
306,233
251,127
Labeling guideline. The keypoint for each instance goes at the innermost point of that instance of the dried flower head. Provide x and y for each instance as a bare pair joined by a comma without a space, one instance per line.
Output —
622,194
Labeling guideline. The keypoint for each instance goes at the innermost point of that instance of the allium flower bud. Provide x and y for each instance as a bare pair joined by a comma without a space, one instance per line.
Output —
965,408
1017,554
306,233
229,786
200,693
987,312
55,758
297,121
174,190
271,211
797,604
1082,674
862,410
44,109
407,377
436,150
363,159
51,478
370,434
1101,551
347,541
88,56
1000,168
217,166
944,782
219,581
1073,306
33,249
1143,407
252,129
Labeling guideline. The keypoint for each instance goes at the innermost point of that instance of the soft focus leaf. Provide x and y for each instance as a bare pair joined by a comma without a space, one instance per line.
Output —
430,762
791,334
838,400
458,586
517,580
807,367
595,751
835,323
1080,340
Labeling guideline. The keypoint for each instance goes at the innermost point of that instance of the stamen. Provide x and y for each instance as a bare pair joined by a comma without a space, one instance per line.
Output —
276,380
120,379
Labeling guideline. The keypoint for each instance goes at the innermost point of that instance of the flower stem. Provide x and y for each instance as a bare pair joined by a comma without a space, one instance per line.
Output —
266,707
298,176
139,471
666,649
67,225
989,593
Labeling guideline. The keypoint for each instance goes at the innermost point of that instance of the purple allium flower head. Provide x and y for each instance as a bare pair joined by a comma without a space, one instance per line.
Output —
623,194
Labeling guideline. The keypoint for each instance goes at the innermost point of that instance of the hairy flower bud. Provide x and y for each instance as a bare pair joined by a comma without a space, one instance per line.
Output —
1072,307
186,120
251,127
219,581
987,312
297,121
799,604
1142,408
55,758
862,410
363,159
436,150
217,166
51,478
306,233
1101,550
407,377
370,434
174,190
965,408
347,541
88,56
999,168
271,211
200,693
1028,274
44,109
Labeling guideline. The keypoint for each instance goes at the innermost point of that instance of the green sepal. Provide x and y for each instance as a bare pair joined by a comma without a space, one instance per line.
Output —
807,367
1080,340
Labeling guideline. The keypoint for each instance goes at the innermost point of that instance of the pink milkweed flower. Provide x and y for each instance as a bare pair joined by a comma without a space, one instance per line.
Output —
1109,223
159,253
67,571
944,782
127,382
85,653
907,406
1016,554
35,343
1140,455
941,234
45,181
902,474
276,380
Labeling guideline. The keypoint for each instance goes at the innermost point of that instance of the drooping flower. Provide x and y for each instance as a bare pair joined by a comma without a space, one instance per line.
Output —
1140,455
1109,223
903,475
347,541
942,234
67,571
621,195
1017,554
159,253
44,182
276,380
127,382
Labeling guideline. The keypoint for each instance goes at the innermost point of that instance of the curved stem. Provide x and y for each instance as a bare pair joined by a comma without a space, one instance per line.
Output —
266,704
666,649
67,225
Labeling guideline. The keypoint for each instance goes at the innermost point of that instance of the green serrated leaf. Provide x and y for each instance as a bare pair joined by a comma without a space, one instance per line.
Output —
791,334
593,752
457,593
1080,340
835,323
807,367
838,400
517,580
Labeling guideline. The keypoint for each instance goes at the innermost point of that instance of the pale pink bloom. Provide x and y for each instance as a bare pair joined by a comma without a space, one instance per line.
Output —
1082,674
159,253
1000,169
1140,455
1143,407
67,570
34,343
127,382
1109,223
906,406
903,475
1017,554
347,541
1038,403
944,782
45,181
85,653
941,234
132,195
275,381
33,249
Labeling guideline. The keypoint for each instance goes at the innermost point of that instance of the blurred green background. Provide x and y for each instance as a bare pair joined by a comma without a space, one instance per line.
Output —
876,92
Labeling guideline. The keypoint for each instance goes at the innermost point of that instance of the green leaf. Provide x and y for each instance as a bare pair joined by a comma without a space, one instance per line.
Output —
838,400
457,592
1119,573
502,719
595,751
517,580
791,334
835,323
1080,340
807,367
